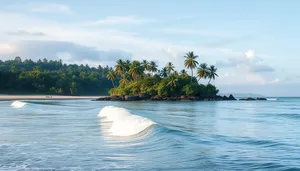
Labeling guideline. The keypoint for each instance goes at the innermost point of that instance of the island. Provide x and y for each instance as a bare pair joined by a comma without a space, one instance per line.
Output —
142,80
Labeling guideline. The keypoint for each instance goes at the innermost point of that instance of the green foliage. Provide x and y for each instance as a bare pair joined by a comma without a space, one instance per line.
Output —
202,71
166,82
73,88
170,67
191,89
163,88
190,61
52,77
127,78
212,73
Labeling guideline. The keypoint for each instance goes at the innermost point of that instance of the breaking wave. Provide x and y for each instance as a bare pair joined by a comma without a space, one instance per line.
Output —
122,123
18,104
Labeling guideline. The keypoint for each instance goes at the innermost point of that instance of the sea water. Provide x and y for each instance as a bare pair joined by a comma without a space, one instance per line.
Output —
91,135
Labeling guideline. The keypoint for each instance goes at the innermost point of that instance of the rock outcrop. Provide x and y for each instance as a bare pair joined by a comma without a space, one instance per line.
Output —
231,97
163,98
252,99
261,98
132,98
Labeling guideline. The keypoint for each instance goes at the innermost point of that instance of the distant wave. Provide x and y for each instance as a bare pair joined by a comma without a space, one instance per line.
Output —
122,122
271,98
18,104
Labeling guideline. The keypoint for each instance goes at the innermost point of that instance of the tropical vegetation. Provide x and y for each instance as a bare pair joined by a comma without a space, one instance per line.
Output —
125,78
54,77
144,78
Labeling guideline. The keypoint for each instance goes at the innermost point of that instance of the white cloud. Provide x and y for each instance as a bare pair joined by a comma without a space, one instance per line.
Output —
50,8
255,78
81,43
250,54
276,80
249,62
240,77
120,20
67,51
171,52
194,32
249,68
25,33
6,49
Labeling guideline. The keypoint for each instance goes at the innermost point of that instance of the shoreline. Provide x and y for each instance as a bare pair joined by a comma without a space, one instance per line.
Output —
45,97
165,98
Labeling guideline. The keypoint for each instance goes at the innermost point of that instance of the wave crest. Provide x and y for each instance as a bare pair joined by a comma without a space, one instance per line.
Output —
122,122
18,104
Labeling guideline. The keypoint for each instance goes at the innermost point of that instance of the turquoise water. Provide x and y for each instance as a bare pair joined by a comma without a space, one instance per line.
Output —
69,135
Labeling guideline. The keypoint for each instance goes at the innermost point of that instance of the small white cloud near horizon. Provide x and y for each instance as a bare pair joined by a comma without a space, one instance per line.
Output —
276,80
20,32
250,54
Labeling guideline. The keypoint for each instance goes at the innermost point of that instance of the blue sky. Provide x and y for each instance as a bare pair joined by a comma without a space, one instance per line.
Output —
253,43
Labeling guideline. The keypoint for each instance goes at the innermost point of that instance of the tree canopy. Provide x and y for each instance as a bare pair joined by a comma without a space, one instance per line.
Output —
126,78
52,77
165,82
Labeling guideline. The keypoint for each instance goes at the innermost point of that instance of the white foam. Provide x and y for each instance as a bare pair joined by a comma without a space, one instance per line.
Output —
18,104
123,123
271,98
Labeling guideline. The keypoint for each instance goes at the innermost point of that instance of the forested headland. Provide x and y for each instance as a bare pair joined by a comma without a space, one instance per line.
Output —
52,77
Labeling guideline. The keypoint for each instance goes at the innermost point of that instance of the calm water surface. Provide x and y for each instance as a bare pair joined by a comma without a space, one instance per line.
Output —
68,135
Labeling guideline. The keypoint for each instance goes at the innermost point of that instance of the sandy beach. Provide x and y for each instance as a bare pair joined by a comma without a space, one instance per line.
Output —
43,97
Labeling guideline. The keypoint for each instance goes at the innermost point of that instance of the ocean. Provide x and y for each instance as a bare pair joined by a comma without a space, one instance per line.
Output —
145,136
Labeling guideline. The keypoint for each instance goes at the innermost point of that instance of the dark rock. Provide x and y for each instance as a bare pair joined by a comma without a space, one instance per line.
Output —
173,98
231,97
191,97
184,98
132,98
248,99
261,98
144,96
156,97
165,98
225,98
106,98
117,98
219,98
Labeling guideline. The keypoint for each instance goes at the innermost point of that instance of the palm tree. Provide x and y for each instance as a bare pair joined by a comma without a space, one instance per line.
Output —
164,72
120,67
170,67
152,67
190,61
212,73
173,80
125,79
202,71
111,75
145,65
127,65
183,72
136,70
